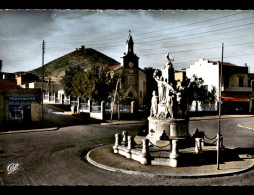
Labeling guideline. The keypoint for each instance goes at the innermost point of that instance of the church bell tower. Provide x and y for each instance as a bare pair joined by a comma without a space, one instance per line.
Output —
129,60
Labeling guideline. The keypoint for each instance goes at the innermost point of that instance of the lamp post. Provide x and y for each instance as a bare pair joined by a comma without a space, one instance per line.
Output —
218,137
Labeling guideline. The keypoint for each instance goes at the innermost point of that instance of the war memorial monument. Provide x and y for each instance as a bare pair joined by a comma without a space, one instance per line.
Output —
167,141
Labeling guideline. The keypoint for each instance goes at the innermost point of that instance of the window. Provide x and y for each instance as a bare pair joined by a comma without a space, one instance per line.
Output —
240,81
226,81
131,80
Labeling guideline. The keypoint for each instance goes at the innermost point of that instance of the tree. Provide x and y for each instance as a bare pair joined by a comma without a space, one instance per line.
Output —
197,91
94,83
68,77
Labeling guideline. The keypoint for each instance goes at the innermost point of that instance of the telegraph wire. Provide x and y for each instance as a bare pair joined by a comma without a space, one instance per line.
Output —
139,34
195,43
175,38
197,28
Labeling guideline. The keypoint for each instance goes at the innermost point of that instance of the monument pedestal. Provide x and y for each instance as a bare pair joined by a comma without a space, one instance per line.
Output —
174,128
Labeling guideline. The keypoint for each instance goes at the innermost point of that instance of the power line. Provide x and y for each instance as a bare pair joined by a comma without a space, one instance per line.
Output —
195,43
138,34
171,28
198,28
191,23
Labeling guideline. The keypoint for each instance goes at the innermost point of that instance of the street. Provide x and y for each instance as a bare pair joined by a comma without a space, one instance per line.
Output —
57,157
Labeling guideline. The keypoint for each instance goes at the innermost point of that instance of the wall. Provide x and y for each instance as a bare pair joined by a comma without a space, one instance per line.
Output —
208,72
5,93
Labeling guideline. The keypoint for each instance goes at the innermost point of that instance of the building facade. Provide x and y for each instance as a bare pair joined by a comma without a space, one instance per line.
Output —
235,87
18,106
134,78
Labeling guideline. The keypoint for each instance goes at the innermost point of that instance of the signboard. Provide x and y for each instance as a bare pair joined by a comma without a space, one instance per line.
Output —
22,98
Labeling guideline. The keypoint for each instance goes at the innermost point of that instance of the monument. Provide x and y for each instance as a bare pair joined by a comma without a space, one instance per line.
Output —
168,122
168,112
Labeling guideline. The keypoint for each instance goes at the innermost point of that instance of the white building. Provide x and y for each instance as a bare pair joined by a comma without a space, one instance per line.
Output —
235,89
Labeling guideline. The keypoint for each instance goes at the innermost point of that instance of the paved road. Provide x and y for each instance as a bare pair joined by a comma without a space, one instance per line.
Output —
56,157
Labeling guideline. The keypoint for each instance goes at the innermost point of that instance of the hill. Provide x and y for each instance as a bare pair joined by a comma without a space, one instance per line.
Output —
84,57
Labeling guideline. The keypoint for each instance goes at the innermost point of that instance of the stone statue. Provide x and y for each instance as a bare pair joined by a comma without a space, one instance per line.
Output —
169,58
161,87
168,72
154,105
169,88
169,105
170,101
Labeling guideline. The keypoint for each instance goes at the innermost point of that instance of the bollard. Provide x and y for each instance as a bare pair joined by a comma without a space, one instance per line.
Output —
145,147
117,142
145,151
174,152
198,145
124,138
130,142
129,146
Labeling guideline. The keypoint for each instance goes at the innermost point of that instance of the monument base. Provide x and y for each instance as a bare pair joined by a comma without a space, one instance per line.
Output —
166,129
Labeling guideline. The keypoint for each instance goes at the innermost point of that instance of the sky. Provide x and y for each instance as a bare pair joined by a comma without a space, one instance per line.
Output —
188,35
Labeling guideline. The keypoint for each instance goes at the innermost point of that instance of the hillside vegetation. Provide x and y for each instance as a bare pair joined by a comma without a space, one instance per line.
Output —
84,57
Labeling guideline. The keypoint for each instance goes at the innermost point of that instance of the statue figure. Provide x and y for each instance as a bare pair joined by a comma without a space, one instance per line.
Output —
169,88
154,105
169,105
169,58
160,87
168,71
182,105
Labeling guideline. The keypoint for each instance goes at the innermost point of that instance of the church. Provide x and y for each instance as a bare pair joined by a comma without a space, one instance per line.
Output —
134,78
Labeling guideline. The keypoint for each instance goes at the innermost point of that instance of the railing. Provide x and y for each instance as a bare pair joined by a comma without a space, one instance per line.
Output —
96,109
58,100
83,106
122,108
237,89
74,103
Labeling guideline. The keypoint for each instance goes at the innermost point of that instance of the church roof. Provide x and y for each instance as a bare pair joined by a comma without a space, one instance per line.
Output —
130,40
111,68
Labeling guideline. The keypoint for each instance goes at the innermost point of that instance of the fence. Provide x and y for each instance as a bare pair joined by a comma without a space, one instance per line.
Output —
53,99
122,108
95,111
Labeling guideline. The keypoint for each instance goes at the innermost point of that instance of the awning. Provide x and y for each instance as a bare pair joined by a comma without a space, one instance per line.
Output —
235,99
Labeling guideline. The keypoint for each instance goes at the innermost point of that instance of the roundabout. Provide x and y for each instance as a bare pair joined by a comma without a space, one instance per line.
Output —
233,163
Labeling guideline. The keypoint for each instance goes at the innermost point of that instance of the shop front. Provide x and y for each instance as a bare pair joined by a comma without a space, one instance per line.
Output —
20,106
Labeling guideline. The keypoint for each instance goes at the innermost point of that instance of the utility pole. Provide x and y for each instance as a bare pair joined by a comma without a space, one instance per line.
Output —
43,51
113,105
220,102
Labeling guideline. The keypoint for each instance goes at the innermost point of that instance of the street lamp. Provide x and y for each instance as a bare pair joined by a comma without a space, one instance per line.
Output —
220,102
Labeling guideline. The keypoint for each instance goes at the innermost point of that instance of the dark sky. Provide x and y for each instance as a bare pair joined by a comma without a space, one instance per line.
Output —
187,35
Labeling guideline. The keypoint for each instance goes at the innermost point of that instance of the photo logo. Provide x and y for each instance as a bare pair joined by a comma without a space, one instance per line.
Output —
12,167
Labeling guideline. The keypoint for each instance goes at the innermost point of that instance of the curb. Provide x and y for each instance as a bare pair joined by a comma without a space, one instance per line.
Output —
245,127
28,131
123,122
170,175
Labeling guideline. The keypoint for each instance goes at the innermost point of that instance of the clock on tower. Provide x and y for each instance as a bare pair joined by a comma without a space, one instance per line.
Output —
131,64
